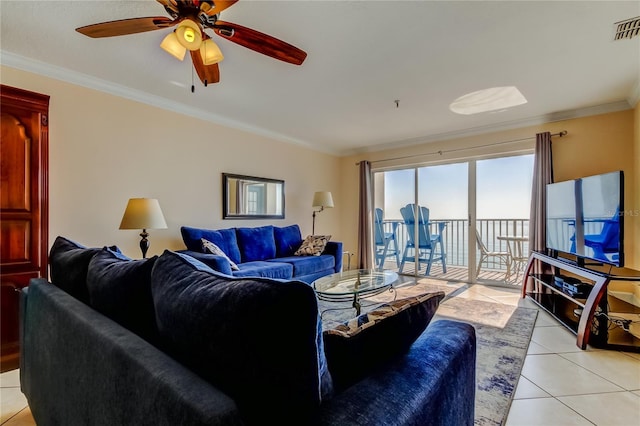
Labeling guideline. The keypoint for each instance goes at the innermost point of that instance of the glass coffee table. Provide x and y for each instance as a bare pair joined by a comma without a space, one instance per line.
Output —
354,285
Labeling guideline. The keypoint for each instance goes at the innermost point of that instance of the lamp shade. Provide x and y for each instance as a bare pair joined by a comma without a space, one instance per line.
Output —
322,199
189,34
171,45
210,52
143,213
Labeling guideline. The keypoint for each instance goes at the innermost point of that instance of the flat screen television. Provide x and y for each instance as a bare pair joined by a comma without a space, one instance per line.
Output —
585,218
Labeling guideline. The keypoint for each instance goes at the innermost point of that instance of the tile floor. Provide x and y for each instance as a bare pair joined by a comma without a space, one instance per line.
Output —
560,384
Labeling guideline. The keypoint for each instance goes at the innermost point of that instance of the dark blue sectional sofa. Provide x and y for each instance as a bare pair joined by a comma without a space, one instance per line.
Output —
265,251
168,341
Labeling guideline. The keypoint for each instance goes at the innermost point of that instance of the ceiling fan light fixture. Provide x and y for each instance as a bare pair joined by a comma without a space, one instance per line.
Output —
171,45
210,53
189,34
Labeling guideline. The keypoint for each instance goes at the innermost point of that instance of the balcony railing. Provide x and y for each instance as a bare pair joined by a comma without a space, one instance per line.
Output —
456,242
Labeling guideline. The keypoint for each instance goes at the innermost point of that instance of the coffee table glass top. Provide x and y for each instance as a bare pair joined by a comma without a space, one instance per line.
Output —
354,282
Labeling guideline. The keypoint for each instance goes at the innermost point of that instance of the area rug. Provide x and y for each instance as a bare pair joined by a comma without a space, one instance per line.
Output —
503,333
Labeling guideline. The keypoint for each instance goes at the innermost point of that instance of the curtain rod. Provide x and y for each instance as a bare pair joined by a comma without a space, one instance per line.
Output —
559,134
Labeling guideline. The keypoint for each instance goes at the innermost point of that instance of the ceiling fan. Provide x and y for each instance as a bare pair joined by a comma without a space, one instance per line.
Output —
192,18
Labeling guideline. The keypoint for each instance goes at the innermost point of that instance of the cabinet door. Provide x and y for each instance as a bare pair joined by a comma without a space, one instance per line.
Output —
23,205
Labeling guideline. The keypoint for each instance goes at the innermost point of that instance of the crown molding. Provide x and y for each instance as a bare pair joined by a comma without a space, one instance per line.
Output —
64,74
634,97
59,73
507,125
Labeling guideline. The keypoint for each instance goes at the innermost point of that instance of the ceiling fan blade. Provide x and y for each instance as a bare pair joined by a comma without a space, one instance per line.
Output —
260,42
127,26
218,6
170,4
208,74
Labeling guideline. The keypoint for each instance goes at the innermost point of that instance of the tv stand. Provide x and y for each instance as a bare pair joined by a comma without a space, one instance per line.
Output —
581,302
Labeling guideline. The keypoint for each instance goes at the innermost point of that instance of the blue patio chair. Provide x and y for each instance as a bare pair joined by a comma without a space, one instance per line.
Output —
430,247
608,240
383,240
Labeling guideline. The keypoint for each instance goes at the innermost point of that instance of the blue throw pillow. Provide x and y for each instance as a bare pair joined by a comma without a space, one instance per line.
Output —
120,288
288,240
256,339
356,348
68,265
223,238
256,243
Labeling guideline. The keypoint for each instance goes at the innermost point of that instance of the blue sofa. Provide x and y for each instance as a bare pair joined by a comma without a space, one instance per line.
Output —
168,341
265,251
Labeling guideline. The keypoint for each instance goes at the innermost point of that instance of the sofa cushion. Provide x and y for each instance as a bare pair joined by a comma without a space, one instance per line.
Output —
209,247
265,269
120,288
313,245
288,240
305,265
229,331
256,243
223,238
69,262
377,337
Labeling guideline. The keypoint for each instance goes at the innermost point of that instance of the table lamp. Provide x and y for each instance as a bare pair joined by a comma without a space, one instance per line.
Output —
322,199
143,213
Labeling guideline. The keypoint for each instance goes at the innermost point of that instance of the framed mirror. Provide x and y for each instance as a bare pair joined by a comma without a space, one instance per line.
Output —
249,197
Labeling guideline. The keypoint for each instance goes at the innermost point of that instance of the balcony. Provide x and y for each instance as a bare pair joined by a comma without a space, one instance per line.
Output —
456,243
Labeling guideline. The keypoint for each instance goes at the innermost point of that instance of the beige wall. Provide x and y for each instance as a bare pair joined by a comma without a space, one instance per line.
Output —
595,144
635,207
105,149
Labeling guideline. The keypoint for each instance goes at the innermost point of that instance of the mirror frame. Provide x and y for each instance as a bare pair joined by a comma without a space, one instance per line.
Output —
226,214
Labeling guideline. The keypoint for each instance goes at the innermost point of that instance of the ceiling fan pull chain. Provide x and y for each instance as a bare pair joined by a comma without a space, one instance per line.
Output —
193,86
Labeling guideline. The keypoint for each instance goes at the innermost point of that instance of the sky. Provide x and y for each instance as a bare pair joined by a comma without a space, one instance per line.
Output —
503,189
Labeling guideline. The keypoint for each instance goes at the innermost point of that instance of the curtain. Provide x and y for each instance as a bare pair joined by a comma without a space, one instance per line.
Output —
542,175
365,218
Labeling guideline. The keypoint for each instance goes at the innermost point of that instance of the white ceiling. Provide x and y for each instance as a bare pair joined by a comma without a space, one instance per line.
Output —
362,56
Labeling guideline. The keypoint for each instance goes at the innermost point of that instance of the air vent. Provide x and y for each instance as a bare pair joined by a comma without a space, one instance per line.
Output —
627,29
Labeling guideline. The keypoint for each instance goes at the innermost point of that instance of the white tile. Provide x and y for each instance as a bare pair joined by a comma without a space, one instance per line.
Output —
494,291
546,320
537,349
610,409
23,418
560,377
558,339
10,379
473,295
526,389
633,355
511,300
11,402
543,412
614,366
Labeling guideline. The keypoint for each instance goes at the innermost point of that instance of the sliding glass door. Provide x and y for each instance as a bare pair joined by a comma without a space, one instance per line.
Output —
430,215
503,202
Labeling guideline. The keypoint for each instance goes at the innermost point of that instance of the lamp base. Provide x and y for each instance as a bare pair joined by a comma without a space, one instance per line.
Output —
144,243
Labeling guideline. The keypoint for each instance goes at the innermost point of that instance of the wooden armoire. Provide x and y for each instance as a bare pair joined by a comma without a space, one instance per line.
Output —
24,206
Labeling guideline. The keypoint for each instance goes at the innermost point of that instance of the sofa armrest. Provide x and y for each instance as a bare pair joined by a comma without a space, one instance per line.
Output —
217,263
434,383
334,248
110,376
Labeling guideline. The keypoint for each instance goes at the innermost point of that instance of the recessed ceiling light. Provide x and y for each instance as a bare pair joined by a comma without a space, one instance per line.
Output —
488,100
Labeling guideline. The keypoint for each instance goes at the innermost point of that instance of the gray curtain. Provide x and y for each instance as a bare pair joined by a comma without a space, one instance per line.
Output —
542,175
365,218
